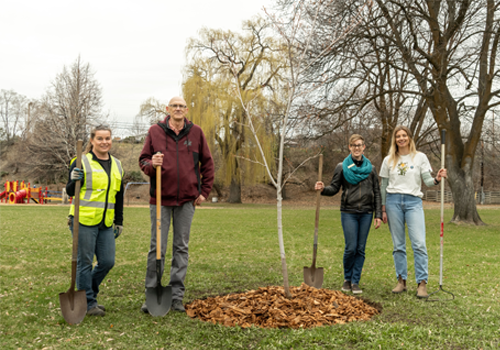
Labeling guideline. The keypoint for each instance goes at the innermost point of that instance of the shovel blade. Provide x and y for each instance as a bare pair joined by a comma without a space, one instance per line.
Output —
313,276
73,306
159,300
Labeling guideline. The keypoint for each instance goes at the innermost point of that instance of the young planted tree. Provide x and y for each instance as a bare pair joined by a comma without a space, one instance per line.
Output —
296,37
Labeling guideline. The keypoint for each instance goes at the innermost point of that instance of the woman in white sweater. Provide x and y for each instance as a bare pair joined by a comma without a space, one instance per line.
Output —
402,173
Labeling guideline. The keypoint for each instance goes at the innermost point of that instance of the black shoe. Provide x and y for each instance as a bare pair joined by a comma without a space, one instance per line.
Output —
355,289
144,308
95,311
177,306
346,287
101,307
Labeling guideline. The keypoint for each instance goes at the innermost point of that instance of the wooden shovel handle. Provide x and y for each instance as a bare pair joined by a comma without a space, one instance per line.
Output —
158,212
76,216
318,200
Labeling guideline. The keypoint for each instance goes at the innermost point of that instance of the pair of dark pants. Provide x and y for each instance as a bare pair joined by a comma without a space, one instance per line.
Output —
181,217
356,227
99,241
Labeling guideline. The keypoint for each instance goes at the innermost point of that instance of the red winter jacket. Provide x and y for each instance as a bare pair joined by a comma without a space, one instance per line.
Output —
188,167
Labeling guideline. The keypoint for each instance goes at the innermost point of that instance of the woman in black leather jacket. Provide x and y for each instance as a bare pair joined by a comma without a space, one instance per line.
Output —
360,201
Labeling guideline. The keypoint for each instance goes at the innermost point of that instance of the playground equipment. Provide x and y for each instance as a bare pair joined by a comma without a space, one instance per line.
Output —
21,193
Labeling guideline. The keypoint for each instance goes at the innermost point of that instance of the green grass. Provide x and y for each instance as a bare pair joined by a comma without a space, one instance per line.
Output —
233,249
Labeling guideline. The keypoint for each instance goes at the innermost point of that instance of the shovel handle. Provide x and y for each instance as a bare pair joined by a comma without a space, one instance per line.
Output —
76,216
318,200
158,212
443,158
441,234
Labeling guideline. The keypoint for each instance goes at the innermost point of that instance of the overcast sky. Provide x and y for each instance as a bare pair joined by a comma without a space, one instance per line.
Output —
136,48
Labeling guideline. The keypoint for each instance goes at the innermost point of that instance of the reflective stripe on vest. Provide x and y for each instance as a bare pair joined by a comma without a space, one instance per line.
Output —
93,192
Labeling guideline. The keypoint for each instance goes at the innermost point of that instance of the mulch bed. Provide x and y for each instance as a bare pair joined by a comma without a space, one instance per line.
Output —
268,307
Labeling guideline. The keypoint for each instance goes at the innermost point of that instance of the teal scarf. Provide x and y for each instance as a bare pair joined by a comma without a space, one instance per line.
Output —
354,174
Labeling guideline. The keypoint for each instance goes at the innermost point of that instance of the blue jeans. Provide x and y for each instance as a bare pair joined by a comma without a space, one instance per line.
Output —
356,228
401,209
98,241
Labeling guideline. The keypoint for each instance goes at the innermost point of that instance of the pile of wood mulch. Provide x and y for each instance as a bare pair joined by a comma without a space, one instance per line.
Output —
268,307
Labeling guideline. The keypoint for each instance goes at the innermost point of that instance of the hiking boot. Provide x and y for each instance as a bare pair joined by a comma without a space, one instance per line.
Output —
177,306
95,311
346,287
355,289
422,290
101,307
401,286
144,308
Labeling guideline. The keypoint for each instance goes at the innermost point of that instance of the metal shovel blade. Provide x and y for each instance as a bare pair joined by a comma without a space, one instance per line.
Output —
73,305
313,276
159,300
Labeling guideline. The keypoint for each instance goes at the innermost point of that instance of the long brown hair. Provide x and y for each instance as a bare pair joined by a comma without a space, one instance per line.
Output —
101,127
394,149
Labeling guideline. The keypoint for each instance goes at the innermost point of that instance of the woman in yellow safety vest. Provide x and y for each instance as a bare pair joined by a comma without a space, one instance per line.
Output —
101,213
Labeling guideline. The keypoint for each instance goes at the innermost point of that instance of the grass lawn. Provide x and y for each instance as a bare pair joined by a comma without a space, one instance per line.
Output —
235,249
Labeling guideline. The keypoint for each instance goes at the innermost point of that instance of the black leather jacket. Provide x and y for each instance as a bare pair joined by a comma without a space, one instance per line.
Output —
361,198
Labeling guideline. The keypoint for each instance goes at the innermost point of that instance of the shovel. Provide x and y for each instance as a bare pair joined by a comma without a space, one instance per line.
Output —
313,276
158,299
74,304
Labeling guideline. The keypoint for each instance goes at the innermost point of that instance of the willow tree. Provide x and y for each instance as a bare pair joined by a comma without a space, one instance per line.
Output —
152,110
209,91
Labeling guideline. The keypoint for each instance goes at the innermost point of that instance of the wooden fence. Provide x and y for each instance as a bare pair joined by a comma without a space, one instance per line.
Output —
490,197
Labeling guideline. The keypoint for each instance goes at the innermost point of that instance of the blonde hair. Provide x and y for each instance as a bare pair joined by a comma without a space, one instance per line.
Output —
93,132
356,137
394,149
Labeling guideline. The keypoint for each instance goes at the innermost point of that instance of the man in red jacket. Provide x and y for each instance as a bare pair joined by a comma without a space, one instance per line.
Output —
187,171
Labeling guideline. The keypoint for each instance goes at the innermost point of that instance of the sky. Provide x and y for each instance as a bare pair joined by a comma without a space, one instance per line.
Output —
135,48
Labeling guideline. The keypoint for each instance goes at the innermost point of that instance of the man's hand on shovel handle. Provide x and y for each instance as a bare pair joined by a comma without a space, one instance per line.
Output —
157,159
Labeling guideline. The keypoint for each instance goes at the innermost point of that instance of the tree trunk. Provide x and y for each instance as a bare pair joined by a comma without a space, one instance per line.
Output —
235,185
385,140
283,193
235,189
284,269
462,188
218,190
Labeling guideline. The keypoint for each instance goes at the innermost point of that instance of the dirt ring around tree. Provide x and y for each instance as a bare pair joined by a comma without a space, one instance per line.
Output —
267,307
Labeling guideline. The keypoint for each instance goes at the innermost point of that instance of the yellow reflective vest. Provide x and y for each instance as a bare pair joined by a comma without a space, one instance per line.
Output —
97,194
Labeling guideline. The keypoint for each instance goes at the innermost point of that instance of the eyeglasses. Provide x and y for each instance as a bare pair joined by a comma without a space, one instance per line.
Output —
177,106
358,145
